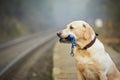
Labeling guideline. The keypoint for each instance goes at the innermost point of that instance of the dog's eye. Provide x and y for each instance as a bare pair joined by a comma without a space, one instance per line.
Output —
84,25
71,27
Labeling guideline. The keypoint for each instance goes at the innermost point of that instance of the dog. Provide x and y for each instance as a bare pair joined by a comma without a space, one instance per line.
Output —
93,62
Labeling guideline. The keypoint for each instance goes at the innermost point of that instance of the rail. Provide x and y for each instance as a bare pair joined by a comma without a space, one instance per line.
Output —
24,54
22,39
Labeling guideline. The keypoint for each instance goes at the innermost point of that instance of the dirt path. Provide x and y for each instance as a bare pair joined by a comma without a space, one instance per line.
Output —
114,55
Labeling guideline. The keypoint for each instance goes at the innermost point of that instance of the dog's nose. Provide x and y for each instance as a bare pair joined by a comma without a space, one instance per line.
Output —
59,33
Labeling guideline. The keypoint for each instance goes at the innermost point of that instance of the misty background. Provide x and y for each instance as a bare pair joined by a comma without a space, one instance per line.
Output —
23,17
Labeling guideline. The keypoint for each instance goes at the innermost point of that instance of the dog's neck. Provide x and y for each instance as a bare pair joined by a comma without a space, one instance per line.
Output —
84,44
92,46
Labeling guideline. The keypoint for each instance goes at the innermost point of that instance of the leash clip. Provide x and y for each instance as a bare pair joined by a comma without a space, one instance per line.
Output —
72,53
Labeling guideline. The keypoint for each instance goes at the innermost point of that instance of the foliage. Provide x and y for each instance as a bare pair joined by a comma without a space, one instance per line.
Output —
11,28
10,24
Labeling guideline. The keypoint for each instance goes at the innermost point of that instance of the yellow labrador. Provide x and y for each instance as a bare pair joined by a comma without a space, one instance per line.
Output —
93,62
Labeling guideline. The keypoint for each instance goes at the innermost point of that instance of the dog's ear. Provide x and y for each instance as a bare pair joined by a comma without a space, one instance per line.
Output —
88,31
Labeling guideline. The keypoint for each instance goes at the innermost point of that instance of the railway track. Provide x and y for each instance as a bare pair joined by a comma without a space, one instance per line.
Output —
15,55
26,38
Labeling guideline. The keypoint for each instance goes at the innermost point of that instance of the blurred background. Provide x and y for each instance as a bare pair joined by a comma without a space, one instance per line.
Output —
36,15
22,18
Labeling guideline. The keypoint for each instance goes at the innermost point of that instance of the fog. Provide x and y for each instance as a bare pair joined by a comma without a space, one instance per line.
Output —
58,13
21,17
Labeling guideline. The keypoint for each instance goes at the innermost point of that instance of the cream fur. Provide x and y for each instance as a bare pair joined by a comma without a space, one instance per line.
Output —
93,63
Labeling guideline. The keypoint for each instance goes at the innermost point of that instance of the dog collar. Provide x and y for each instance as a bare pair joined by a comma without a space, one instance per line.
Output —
90,44
74,43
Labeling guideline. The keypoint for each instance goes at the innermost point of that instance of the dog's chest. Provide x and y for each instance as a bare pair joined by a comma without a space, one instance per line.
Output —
88,67
92,63
83,56
87,58
84,59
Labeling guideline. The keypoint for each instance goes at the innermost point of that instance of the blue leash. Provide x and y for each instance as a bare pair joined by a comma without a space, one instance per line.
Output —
72,38
73,41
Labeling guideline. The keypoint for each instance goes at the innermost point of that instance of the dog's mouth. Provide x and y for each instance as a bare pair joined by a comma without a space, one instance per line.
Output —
65,40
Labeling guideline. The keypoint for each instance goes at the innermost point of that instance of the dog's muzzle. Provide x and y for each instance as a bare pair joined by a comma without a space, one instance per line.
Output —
63,39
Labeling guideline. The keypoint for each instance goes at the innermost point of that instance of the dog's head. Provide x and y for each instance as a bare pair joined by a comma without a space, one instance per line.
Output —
81,30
